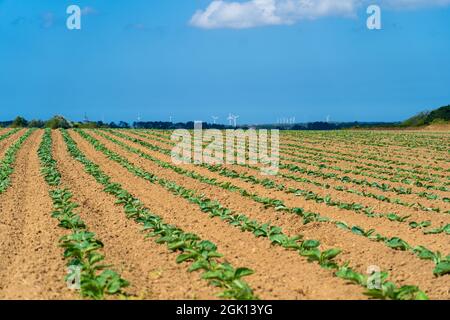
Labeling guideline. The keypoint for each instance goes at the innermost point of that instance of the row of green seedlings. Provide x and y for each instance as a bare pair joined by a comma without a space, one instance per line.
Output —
377,143
385,187
347,180
388,167
308,195
370,148
6,164
295,157
81,247
370,138
396,243
202,255
344,188
319,153
321,165
8,134
306,247
378,159
394,174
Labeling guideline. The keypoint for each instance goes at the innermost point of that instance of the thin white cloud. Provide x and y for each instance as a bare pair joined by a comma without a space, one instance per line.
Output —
254,13
47,20
88,10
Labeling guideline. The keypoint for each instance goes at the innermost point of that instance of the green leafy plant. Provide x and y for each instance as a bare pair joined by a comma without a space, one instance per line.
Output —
6,164
213,208
80,246
201,254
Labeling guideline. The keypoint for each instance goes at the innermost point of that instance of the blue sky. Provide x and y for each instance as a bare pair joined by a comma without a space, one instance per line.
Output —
188,60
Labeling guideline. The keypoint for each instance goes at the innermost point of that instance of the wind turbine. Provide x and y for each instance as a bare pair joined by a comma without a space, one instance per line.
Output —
214,119
328,118
230,119
234,119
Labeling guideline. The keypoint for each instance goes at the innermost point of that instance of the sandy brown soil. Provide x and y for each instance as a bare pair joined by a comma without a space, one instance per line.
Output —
415,190
348,152
6,143
279,274
438,128
325,158
380,206
382,157
357,249
149,267
31,263
353,148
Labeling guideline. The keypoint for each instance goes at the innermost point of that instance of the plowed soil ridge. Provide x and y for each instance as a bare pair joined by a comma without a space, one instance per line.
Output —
31,263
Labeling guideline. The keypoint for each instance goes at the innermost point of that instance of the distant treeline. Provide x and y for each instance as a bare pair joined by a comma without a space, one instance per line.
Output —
441,115
60,122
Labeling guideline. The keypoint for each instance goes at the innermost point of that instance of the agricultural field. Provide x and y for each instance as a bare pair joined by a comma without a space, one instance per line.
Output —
106,214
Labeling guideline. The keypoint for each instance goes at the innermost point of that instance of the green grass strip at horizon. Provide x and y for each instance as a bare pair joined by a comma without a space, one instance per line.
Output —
394,243
6,164
202,255
80,246
327,186
273,233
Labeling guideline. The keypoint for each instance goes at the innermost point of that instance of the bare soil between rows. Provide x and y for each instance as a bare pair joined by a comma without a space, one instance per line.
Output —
406,267
279,274
31,262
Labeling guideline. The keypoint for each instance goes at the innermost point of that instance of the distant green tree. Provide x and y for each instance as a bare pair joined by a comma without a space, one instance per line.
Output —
124,125
36,124
424,118
416,121
57,122
439,121
19,122
87,125
442,113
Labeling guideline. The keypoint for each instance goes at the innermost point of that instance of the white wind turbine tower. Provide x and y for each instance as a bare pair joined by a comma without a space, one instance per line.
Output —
214,119
328,118
234,120
230,119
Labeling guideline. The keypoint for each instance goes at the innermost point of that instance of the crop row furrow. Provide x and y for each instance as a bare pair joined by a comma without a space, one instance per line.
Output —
81,247
369,149
340,188
307,248
395,243
8,134
318,160
6,164
202,255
